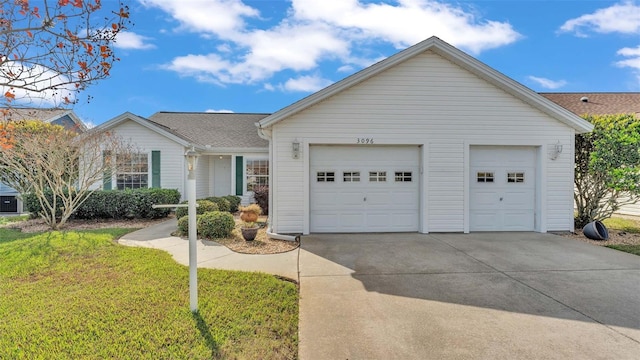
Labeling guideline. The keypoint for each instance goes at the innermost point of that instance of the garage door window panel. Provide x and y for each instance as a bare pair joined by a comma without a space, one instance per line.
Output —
351,176
377,176
485,177
325,176
404,176
515,177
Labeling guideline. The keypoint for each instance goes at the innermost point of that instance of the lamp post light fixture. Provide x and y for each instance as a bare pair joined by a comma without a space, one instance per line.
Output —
192,158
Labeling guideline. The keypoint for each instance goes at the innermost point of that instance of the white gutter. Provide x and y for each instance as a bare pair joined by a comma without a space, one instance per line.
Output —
262,134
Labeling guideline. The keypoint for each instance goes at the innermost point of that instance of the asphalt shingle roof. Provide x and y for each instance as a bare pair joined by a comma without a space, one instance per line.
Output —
31,114
220,130
597,103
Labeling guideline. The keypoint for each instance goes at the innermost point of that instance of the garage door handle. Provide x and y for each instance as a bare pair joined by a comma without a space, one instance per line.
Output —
365,198
500,199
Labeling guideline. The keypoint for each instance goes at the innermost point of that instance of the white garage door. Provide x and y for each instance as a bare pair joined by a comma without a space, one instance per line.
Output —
502,188
364,188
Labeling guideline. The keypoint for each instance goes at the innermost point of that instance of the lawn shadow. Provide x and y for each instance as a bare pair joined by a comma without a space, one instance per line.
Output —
202,326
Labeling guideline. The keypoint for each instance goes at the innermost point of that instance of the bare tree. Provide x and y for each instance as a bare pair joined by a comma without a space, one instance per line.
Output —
51,50
60,167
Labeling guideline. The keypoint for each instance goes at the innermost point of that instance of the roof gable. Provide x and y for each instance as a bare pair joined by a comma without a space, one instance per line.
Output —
449,53
64,117
127,116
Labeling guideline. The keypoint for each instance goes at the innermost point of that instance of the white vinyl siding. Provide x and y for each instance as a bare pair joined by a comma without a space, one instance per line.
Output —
202,177
172,154
446,187
430,102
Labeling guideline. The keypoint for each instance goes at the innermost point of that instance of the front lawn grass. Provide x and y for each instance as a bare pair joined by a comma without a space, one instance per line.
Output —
80,295
10,219
623,224
632,249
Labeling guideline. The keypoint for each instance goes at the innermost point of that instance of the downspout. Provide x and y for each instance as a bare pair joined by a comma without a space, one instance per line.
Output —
262,134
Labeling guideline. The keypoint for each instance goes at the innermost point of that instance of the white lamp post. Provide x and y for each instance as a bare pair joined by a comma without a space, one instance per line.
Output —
192,156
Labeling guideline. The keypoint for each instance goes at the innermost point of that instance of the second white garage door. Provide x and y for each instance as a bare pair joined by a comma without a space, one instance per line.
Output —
364,188
502,188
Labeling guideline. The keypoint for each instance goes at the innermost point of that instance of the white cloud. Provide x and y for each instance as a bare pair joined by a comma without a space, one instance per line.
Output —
130,40
620,18
408,22
629,51
547,83
305,84
220,17
633,60
312,32
220,111
35,85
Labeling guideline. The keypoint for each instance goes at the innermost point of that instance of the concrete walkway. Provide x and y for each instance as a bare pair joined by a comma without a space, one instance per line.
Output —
211,254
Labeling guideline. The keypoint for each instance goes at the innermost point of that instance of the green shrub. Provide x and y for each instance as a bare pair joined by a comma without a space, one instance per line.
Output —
116,204
223,204
154,196
183,225
216,224
234,202
203,207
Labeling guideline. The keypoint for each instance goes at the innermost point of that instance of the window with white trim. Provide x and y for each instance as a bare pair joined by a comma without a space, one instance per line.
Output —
484,177
325,176
351,176
257,173
377,176
403,176
132,171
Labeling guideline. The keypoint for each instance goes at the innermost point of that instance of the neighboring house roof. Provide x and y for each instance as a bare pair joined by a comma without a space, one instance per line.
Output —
593,103
63,117
457,57
214,130
206,131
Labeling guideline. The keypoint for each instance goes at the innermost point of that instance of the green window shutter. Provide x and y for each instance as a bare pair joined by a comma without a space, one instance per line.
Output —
239,175
106,175
155,169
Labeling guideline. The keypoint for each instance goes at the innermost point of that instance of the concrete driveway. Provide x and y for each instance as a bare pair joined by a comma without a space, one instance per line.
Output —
466,296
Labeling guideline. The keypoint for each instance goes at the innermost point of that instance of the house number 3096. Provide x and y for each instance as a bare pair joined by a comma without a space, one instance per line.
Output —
364,141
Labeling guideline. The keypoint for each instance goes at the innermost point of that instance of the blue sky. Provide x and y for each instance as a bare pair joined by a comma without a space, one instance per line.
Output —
259,56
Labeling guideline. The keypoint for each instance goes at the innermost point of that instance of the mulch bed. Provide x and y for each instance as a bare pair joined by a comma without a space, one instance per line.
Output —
616,237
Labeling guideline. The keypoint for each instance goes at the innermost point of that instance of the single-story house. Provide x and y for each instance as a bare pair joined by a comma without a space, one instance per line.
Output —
233,158
10,202
427,140
590,103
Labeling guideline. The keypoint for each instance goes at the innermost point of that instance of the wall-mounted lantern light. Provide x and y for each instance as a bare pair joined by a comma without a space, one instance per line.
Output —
556,150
